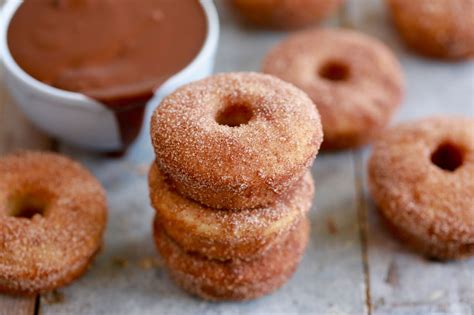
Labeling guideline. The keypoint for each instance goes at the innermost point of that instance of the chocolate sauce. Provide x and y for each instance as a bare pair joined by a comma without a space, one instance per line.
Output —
115,51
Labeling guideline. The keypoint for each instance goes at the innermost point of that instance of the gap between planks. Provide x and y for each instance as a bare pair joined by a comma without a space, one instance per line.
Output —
345,21
362,218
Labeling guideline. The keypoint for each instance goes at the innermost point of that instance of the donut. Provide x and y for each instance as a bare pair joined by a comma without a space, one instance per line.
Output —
421,177
233,279
354,80
227,234
52,217
436,28
286,14
235,140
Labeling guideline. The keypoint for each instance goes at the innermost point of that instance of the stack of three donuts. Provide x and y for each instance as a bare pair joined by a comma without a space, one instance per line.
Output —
231,185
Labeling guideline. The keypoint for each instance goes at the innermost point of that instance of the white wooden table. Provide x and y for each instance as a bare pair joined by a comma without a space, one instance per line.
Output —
352,265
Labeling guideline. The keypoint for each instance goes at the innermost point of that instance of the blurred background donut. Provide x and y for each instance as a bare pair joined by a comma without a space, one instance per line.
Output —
436,28
355,81
286,14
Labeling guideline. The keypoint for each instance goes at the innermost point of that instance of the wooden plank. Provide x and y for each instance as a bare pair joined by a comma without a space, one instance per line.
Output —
400,281
16,132
339,281
125,278
17,305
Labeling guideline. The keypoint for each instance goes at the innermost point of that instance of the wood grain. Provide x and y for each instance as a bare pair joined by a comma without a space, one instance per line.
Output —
17,305
118,284
400,281
352,266
16,132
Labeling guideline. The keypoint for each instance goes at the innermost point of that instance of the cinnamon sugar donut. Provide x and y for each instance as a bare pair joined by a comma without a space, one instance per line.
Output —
235,140
436,28
234,279
52,217
421,176
354,80
286,14
227,234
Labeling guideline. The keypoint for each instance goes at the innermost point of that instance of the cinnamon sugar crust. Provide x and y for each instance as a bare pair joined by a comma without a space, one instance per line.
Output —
52,218
234,279
227,234
355,81
235,140
436,28
421,176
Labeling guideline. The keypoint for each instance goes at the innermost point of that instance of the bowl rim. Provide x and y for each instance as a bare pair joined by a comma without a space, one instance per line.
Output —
78,99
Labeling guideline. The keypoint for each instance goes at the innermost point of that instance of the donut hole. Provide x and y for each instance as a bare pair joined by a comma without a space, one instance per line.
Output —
334,71
448,156
27,206
234,115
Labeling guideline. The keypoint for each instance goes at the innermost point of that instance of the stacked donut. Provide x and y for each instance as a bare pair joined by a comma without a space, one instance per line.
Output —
230,183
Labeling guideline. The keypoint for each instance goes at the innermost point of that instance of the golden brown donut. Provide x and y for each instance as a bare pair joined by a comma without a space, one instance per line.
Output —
286,14
235,140
354,80
421,176
52,217
227,234
436,28
234,279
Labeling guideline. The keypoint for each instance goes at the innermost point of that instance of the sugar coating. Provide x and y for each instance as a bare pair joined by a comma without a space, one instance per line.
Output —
234,279
431,208
436,28
236,167
227,234
352,110
49,250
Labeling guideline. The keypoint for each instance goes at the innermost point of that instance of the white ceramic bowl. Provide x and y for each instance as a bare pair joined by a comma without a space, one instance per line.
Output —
76,118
